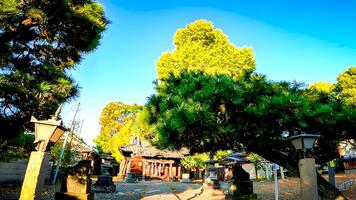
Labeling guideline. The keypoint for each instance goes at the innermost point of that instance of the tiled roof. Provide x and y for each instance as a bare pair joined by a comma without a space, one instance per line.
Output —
150,151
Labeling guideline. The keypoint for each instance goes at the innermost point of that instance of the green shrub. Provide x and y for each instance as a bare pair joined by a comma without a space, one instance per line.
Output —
17,148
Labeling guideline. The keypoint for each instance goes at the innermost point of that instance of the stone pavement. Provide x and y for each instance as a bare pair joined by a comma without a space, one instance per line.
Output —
155,190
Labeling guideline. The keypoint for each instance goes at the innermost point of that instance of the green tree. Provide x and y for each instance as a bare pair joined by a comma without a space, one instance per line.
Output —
199,160
346,86
117,127
40,43
55,152
207,112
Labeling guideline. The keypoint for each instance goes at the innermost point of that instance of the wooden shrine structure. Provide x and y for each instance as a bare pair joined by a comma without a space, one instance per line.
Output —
148,162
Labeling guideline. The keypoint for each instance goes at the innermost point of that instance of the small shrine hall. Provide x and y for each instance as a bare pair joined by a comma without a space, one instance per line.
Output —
148,162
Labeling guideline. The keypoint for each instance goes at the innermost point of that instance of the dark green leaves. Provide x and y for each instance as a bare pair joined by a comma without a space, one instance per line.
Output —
40,42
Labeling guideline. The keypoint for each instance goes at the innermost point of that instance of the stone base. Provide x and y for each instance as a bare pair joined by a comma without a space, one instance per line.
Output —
73,196
212,183
185,180
104,189
130,180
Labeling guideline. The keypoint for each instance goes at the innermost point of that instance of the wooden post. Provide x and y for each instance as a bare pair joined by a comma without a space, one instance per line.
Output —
143,169
128,166
151,169
156,168
179,168
170,171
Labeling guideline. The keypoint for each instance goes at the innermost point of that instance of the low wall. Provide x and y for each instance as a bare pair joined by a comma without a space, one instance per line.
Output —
13,172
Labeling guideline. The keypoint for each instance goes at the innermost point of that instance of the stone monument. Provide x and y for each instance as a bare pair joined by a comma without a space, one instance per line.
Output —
130,177
77,183
242,185
104,183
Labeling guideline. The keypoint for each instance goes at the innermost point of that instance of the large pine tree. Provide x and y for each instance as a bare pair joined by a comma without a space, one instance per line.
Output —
40,42
214,104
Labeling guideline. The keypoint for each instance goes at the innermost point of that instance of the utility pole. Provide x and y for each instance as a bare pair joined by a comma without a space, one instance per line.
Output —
64,145
76,146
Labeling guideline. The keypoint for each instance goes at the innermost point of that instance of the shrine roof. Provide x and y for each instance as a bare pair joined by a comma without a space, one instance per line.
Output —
150,151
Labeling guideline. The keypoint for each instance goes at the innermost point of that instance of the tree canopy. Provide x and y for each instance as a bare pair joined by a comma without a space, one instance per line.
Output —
40,43
346,86
207,111
200,47
117,122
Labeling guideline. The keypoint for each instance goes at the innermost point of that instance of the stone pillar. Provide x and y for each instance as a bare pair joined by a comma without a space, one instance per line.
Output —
282,172
308,179
35,176
267,172
159,169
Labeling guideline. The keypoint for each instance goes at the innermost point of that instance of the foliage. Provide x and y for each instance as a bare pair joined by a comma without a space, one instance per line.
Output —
323,87
40,44
346,86
56,151
117,127
16,148
200,47
195,161
256,159
207,112
199,160
343,89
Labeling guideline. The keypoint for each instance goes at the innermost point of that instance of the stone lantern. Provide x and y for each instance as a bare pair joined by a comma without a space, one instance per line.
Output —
46,131
212,178
308,179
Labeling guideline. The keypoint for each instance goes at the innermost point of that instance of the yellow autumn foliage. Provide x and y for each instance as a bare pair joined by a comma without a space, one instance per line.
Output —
199,47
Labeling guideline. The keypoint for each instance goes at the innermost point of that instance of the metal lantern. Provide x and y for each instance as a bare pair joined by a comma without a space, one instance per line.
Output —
47,130
304,141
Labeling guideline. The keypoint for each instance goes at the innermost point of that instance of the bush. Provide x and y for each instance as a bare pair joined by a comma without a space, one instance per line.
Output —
17,148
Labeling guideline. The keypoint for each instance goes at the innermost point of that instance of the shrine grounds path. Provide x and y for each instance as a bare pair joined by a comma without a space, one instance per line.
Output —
157,190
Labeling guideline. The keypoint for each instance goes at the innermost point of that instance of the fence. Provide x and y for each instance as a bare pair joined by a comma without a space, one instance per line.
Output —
346,185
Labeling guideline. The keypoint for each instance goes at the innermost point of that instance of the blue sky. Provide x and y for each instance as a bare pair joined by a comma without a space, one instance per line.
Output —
307,41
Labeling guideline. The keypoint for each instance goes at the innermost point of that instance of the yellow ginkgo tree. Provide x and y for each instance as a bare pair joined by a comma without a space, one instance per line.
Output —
116,121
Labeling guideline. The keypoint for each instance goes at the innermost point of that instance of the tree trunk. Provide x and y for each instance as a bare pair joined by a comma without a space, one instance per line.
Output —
325,189
328,191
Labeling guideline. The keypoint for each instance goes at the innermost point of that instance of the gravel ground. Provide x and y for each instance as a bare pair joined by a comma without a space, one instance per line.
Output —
154,190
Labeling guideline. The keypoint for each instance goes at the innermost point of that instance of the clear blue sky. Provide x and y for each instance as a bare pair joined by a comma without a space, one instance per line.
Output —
308,41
